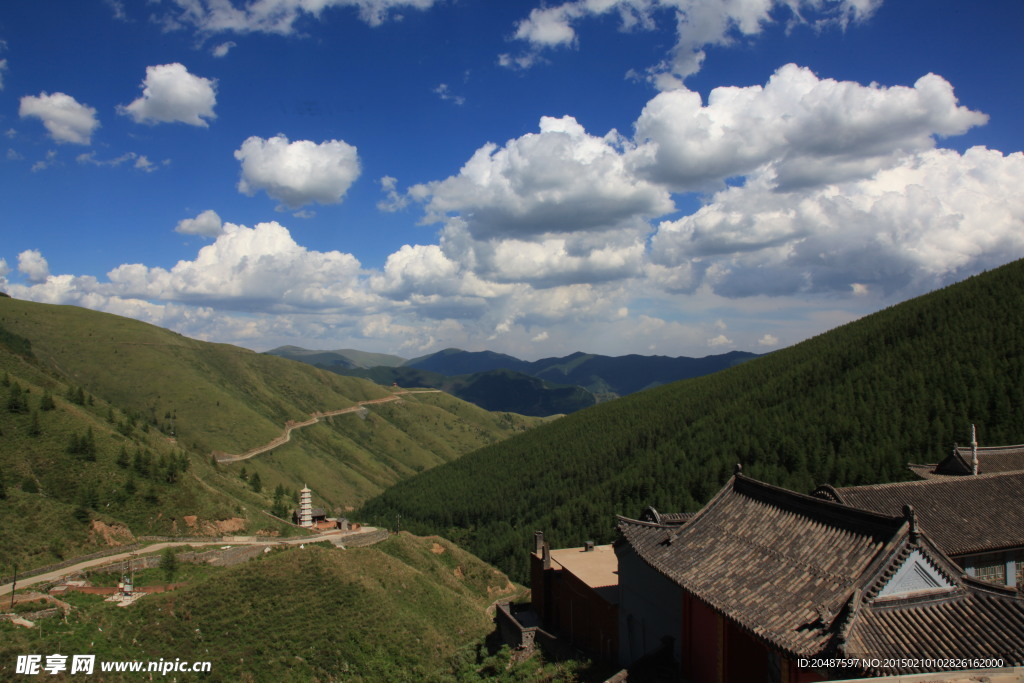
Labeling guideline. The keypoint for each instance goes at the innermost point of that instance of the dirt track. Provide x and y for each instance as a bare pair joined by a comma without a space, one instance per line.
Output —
112,559
287,434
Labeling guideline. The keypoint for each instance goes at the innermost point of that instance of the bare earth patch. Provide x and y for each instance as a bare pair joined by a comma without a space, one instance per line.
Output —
102,533
230,526
437,549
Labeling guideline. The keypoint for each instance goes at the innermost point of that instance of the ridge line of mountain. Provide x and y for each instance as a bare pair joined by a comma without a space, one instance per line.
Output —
548,386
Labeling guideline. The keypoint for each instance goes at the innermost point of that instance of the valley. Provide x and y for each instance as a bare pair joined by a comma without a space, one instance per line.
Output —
117,433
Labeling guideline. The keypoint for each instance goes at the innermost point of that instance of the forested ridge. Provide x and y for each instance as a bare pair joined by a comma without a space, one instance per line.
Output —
851,406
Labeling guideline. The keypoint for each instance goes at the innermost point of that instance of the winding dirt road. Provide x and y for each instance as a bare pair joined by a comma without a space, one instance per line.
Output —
290,425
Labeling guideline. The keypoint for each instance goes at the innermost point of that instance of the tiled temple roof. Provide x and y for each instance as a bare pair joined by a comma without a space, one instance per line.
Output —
962,515
811,576
765,557
991,460
975,621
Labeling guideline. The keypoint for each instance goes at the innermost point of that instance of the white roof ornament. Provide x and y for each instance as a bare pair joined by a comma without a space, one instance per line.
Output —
974,450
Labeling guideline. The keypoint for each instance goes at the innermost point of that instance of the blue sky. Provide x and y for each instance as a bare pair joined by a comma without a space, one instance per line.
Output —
680,177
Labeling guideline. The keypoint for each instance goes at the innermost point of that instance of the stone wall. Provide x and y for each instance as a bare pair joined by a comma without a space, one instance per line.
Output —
519,628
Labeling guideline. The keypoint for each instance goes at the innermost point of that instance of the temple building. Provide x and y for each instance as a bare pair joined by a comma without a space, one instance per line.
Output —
576,591
315,518
763,581
974,460
977,520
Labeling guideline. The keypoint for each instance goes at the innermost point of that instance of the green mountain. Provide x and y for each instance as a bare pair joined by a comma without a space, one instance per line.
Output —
499,382
851,406
459,362
622,375
398,611
350,358
133,412
494,390
606,375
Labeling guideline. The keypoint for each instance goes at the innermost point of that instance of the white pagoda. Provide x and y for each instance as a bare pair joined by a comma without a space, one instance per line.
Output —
305,507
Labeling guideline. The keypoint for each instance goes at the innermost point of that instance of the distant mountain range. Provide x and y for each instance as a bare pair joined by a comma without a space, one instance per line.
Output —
499,382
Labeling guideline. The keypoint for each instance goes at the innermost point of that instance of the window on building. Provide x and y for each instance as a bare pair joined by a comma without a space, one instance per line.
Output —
994,572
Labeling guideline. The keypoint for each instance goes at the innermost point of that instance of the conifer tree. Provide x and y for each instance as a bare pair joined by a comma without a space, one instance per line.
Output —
89,445
169,564
33,426
46,402
16,402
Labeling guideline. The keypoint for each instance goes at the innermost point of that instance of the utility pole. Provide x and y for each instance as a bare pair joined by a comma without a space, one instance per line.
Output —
14,585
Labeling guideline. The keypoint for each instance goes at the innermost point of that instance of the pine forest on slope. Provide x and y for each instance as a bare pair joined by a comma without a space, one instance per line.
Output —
850,406
108,425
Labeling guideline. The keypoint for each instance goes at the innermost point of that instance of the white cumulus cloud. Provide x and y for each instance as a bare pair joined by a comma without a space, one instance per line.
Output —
719,341
171,94
260,269
297,173
33,266
207,224
936,216
808,130
558,180
64,117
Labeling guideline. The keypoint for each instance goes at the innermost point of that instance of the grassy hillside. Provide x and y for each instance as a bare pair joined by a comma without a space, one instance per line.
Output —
850,406
152,405
78,474
399,610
